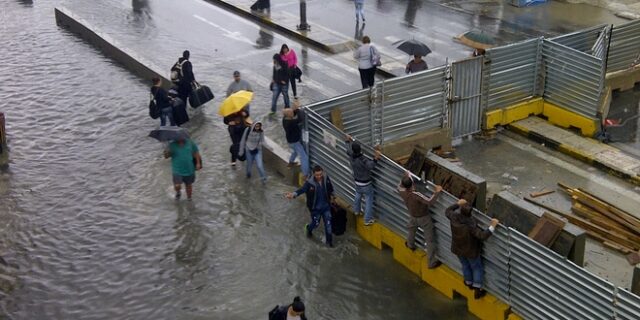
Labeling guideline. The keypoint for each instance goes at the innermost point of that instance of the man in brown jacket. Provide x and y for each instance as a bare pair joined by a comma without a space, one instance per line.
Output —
466,243
418,206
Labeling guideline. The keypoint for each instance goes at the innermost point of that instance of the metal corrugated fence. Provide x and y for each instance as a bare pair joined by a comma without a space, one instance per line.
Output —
534,280
466,92
581,40
546,286
510,73
412,104
573,79
356,113
624,47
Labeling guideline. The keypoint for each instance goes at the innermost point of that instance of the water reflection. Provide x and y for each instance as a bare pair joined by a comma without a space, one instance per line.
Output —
359,31
140,6
189,230
265,39
410,14
28,3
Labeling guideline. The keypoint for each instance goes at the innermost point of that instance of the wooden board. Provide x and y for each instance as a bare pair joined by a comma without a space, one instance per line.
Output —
416,162
336,118
546,230
541,193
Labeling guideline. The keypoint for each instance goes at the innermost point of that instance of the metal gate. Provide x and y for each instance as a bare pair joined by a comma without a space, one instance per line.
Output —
465,96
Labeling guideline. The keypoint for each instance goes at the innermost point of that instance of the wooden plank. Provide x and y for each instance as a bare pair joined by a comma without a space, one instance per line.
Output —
546,230
615,210
598,207
541,193
604,222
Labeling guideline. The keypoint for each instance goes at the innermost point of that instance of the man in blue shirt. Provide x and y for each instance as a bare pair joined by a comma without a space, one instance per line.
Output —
185,160
319,191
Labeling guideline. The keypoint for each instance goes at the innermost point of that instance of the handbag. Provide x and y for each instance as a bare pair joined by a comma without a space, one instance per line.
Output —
297,73
375,57
154,110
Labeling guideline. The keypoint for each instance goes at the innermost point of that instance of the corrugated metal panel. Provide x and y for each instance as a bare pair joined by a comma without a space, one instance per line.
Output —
627,305
573,79
356,113
581,40
624,47
546,286
466,87
599,48
510,73
412,104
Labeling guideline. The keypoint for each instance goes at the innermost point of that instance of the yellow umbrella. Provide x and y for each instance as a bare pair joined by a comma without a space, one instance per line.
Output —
235,102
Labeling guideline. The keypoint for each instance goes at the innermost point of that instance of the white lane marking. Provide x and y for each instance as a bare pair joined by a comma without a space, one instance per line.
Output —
227,33
392,39
331,73
345,67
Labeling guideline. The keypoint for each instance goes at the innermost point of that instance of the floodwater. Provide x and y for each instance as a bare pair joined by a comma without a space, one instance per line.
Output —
90,229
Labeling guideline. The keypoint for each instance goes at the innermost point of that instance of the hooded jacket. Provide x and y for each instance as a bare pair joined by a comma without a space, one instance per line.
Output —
251,139
309,187
360,165
466,236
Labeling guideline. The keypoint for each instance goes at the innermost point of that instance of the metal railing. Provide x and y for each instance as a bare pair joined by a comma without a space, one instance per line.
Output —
535,281
624,46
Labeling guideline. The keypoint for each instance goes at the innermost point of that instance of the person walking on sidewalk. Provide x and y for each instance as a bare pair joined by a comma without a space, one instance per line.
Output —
418,206
359,9
416,65
466,243
319,191
236,123
279,83
251,147
182,153
291,60
362,167
367,56
239,84
291,124
163,102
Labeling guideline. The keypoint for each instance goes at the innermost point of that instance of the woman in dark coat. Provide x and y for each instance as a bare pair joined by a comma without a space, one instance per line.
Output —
237,124
292,311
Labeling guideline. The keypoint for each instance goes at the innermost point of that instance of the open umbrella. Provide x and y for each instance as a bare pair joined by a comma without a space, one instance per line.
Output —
477,40
169,133
412,47
235,102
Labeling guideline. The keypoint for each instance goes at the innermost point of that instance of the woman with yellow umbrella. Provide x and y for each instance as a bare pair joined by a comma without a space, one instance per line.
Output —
236,117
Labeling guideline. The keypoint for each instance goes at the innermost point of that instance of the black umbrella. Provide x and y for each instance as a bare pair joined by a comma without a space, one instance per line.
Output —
412,47
169,133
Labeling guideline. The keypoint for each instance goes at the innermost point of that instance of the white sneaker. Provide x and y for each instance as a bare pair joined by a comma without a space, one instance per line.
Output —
370,222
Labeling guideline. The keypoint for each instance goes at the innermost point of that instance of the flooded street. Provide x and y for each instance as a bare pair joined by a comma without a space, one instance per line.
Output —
90,227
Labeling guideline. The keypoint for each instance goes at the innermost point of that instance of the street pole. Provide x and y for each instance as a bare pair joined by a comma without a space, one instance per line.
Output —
303,26
4,151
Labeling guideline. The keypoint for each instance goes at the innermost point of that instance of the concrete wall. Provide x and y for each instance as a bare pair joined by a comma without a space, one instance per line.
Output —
274,156
523,216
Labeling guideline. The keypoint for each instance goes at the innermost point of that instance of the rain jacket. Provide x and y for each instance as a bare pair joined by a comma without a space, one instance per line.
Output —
309,187
251,140
360,165
292,129
466,236
280,72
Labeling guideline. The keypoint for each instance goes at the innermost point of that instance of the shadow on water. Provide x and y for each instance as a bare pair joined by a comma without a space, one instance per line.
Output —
191,232
265,39
410,14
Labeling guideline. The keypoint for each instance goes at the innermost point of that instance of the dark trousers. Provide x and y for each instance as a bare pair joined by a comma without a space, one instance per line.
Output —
292,79
367,77
426,224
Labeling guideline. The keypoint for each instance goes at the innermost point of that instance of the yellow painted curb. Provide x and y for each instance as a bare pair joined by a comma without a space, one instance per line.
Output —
493,118
567,119
514,113
513,316
372,233
576,153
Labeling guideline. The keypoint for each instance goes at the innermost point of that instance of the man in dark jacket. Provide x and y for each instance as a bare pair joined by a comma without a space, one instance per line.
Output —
362,167
185,76
466,243
236,125
418,205
293,311
319,191
279,83
293,132
163,101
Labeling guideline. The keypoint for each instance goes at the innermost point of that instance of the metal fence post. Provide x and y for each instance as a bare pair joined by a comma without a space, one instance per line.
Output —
303,26
4,150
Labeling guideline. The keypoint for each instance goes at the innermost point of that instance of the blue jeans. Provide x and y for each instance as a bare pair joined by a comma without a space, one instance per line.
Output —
326,217
473,271
298,150
279,88
367,192
258,159
167,113
359,10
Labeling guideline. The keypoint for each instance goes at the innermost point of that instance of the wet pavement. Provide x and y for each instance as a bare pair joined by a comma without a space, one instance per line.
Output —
90,228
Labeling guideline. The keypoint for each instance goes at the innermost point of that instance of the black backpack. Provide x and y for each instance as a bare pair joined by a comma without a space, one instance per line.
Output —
154,110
